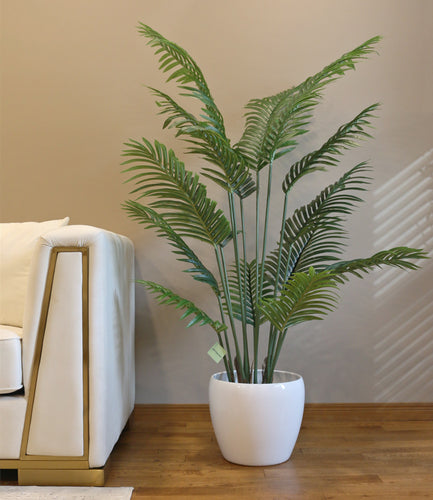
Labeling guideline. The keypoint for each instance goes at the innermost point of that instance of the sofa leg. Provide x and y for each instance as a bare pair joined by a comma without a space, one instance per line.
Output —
61,477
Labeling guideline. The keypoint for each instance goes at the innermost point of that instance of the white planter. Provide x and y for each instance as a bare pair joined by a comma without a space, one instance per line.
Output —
257,424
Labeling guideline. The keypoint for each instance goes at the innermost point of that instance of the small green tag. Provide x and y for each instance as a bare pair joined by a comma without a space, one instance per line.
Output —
217,352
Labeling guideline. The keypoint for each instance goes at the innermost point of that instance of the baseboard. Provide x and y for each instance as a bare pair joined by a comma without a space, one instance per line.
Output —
352,411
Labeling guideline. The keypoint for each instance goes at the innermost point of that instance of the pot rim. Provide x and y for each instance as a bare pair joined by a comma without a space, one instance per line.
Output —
292,377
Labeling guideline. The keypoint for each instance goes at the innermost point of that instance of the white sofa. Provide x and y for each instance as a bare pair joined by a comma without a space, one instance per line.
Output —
67,384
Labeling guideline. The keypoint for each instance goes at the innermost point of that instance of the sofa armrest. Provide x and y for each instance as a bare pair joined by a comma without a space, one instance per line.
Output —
90,296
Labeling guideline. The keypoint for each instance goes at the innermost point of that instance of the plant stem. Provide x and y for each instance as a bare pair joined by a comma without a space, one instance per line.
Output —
276,349
244,247
265,237
272,332
265,228
281,337
280,247
286,269
224,280
239,276
256,326
228,363
271,346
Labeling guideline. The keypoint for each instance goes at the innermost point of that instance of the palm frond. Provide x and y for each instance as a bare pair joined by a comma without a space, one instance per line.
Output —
181,197
273,123
305,297
314,234
245,289
400,257
184,70
328,154
207,141
178,117
166,296
233,172
150,218
327,213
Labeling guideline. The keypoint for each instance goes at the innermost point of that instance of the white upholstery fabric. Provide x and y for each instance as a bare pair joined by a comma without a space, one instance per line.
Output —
111,322
55,416
12,414
17,243
111,349
111,329
10,359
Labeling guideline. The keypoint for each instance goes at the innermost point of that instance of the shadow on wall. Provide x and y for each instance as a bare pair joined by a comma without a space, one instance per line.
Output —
403,345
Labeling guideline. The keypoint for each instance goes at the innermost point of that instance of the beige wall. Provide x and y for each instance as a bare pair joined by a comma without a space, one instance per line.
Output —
72,75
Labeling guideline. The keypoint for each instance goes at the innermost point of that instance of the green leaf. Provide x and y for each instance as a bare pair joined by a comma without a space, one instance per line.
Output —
314,234
401,257
246,287
178,116
182,68
273,123
207,136
328,154
305,297
150,218
166,296
233,172
181,197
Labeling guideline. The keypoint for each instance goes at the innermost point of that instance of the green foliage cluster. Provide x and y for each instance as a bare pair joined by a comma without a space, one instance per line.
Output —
298,279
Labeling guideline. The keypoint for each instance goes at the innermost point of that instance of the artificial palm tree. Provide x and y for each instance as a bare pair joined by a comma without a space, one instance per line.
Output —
268,292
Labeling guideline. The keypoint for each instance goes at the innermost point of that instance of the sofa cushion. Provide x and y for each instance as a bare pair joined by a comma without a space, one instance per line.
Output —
11,378
17,243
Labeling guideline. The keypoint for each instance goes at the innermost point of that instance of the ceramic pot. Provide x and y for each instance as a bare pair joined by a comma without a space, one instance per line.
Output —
257,424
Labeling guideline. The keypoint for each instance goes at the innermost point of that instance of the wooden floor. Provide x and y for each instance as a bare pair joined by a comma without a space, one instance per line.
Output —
343,452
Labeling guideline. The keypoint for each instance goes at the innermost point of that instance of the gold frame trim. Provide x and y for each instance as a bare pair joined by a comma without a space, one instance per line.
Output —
43,469
74,477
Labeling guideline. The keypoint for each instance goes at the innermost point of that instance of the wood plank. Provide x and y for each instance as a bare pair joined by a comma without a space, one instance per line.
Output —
344,451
